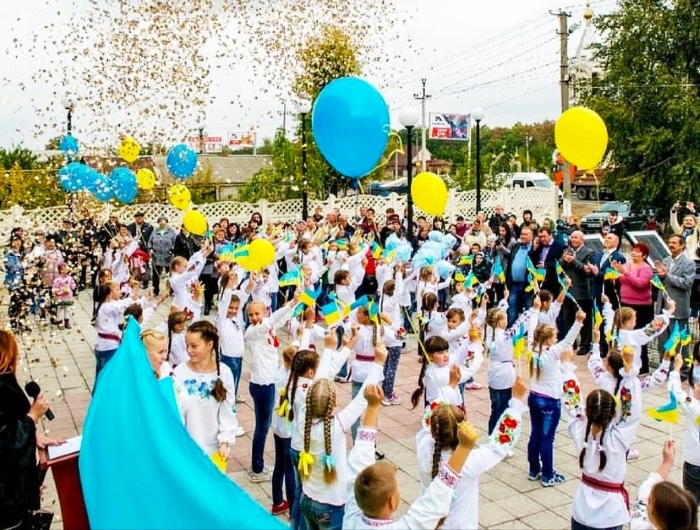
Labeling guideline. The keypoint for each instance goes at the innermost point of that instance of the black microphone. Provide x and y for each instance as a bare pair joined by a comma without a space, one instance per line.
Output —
33,390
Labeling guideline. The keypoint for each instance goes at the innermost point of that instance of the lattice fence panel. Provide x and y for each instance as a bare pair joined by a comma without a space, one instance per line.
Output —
237,212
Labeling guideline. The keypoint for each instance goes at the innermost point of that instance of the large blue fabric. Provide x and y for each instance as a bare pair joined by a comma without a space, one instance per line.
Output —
139,467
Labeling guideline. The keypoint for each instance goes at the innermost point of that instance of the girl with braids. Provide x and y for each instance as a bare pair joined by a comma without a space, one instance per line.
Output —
601,500
323,462
545,398
175,330
616,375
428,282
184,275
369,337
436,443
662,504
306,367
499,348
624,320
209,416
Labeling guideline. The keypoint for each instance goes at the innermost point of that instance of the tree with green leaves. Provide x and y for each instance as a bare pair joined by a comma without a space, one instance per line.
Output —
649,99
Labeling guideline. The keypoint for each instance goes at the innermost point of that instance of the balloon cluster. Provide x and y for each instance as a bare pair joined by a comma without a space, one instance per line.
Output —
433,253
402,249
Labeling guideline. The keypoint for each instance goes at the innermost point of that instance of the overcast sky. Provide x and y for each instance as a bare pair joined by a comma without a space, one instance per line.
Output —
501,55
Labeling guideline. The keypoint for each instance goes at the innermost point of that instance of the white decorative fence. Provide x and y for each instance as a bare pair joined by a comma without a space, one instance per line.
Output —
542,202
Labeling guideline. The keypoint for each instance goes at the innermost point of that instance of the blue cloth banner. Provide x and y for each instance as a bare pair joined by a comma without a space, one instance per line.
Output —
140,468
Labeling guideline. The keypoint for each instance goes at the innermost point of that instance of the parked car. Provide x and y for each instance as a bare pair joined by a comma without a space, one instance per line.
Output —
632,219
531,180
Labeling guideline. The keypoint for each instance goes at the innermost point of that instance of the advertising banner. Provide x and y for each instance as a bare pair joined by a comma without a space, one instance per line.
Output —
450,127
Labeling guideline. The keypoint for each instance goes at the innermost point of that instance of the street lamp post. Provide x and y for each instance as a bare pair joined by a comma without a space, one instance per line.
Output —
409,119
528,139
478,115
304,109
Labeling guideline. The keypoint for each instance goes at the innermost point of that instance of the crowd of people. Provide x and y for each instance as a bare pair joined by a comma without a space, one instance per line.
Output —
518,293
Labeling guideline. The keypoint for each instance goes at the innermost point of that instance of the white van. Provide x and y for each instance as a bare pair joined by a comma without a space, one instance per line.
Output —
531,180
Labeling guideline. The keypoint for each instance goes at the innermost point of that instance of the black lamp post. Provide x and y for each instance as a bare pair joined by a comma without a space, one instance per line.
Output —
409,118
304,109
69,104
478,115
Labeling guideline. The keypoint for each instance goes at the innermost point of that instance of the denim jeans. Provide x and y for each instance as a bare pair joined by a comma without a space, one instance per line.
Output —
691,479
263,403
356,385
499,403
283,472
518,301
274,300
297,521
321,516
390,367
236,366
545,413
101,359
340,332
575,525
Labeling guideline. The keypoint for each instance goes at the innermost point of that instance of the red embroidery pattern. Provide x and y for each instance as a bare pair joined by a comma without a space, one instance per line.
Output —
447,477
367,435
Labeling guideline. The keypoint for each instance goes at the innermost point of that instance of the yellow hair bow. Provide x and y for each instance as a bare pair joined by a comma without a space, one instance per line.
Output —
284,408
306,460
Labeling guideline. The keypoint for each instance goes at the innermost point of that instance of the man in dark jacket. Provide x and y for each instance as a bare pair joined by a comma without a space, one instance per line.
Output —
573,262
141,231
546,251
185,244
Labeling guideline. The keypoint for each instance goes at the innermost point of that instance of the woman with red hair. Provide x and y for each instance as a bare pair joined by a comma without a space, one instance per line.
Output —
635,291
19,472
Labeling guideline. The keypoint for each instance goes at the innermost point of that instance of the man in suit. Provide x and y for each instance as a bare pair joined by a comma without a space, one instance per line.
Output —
677,272
574,261
516,276
545,253
601,262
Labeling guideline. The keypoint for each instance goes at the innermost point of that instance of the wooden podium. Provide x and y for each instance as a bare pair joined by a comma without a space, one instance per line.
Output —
70,492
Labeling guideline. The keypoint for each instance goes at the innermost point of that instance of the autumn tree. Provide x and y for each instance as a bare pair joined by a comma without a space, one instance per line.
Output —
649,99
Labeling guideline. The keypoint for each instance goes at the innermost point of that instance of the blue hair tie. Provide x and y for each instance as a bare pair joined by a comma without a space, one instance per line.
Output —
329,462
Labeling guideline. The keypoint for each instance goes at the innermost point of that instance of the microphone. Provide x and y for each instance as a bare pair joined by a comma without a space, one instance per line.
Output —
33,390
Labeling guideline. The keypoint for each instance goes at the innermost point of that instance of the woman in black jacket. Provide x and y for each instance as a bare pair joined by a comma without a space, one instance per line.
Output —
19,471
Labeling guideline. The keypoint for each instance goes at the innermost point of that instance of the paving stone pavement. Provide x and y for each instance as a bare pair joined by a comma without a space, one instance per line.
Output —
63,363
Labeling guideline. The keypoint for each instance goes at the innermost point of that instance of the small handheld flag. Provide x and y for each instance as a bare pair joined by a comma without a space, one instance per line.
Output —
667,413
331,313
290,278
611,274
309,296
597,316
656,282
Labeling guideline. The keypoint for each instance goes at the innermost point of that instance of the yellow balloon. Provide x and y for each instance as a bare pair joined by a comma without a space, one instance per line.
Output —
429,193
195,223
581,137
129,149
261,253
146,179
180,196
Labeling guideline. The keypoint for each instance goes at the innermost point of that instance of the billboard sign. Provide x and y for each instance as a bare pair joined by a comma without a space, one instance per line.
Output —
238,140
212,144
450,127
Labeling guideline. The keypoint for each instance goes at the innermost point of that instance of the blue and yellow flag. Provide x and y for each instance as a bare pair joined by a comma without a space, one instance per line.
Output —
129,481
597,316
471,280
667,413
362,301
290,278
611,274
498,271
466,260
310,296
377,250
656,282
673,341
519,342
331,313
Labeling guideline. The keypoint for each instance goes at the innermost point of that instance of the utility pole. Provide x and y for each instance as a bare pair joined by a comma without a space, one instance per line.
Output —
423,97
284,115
201,140
564,84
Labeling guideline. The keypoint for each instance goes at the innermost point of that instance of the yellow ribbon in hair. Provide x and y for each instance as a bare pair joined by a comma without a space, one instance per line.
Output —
306,460
284,409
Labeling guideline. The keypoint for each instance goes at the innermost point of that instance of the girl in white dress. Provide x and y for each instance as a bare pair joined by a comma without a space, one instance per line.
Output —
208,384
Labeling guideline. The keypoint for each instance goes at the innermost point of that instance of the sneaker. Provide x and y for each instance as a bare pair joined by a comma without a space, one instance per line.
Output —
533,478
510,454
264,476
393,400
240,431
473,386
240,399
557,478
632,454
343,380
278,509
378,455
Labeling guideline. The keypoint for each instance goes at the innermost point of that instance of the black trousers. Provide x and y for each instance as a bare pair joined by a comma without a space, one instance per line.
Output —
568,313
158,272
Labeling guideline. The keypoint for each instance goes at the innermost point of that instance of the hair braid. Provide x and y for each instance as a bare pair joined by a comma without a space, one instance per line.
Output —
307,425
582,455
415,397
437,450
330,474
170,343
603,456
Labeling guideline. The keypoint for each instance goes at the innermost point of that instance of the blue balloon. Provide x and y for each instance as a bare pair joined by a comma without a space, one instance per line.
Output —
124,184
69,145
67,177
102,188
181,161
350,124
403,252
444,268
436,235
